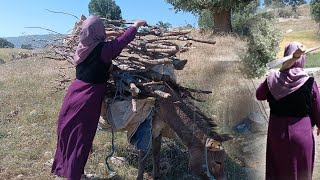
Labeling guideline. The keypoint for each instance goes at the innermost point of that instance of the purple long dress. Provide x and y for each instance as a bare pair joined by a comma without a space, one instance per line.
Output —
290,142
79,116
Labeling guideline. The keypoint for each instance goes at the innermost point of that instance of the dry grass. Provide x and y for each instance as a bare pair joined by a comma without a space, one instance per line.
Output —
305,29
307,38
27,116
302,23
28,112
216,68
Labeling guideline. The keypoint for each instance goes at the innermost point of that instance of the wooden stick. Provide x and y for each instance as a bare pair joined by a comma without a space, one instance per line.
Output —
162,94
62,13
176,33
152,83
44,29
201,41
134,105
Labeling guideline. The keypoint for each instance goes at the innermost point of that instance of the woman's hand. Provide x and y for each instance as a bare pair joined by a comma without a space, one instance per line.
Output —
114,33
139,23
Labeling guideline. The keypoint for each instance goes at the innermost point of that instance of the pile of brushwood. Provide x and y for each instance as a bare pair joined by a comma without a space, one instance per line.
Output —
145,67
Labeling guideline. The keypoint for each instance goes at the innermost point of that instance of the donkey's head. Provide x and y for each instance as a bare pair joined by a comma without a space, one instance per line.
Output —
214,155
207,161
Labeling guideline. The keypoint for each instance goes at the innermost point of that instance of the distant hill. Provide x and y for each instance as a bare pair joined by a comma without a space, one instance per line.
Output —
36,41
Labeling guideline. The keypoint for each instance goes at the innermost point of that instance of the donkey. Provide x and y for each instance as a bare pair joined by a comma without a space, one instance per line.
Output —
204,145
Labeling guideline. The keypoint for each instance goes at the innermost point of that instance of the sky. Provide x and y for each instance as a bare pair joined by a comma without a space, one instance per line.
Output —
18,14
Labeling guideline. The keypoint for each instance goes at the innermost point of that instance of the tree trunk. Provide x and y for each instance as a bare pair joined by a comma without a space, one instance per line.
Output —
222,20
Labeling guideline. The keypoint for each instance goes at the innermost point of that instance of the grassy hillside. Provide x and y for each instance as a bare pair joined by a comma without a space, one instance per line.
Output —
36,41
305,30
28,121
31,96
4,52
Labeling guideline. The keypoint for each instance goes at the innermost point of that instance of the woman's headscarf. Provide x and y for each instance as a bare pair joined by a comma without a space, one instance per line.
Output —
285,82
92,33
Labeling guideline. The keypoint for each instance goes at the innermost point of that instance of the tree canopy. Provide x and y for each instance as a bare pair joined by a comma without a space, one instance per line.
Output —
5,43
315,10
220,10
26,46
105,8
195,6
164,25
282,3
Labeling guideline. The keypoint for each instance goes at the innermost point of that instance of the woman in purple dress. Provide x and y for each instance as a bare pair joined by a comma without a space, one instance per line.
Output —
294,100
80,111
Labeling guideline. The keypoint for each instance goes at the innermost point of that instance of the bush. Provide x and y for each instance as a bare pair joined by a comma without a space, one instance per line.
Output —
263,43
286,13
205,20
241,17
5,44
26,46
315,10
164,25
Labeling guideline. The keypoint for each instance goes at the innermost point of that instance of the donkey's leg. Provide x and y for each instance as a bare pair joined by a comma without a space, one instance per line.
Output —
156,147
141,165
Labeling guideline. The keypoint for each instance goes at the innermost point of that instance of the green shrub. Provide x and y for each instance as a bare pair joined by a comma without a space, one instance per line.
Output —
205,20
285,13
241,17
263,43
26,46
315,10
5,43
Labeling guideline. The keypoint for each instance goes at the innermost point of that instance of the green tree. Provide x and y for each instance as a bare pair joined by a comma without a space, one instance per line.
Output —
315,10
105,8
294,3
282,3
243,16
220,10
263,43
205,19
5,43
274,3
26,46
164,25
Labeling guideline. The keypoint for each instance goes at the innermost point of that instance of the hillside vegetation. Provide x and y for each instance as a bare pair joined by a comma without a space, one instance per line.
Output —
303,29
30,105
31,95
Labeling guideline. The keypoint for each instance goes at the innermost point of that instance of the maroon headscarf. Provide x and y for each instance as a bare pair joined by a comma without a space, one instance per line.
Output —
285,82
92,33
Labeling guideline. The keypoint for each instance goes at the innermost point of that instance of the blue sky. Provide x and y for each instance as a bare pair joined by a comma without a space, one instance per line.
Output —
18,14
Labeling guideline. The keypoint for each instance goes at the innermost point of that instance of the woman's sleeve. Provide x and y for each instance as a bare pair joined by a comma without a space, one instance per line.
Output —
262,91
316,104
113,48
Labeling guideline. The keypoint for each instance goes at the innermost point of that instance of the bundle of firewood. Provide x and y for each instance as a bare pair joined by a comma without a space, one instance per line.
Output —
144,65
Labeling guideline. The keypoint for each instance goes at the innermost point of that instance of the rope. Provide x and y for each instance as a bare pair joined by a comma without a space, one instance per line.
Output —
119,93
112,152
206,159
261,103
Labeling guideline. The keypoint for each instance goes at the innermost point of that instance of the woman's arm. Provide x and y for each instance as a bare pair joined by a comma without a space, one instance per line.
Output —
262,91
113,33
113,48
316,105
